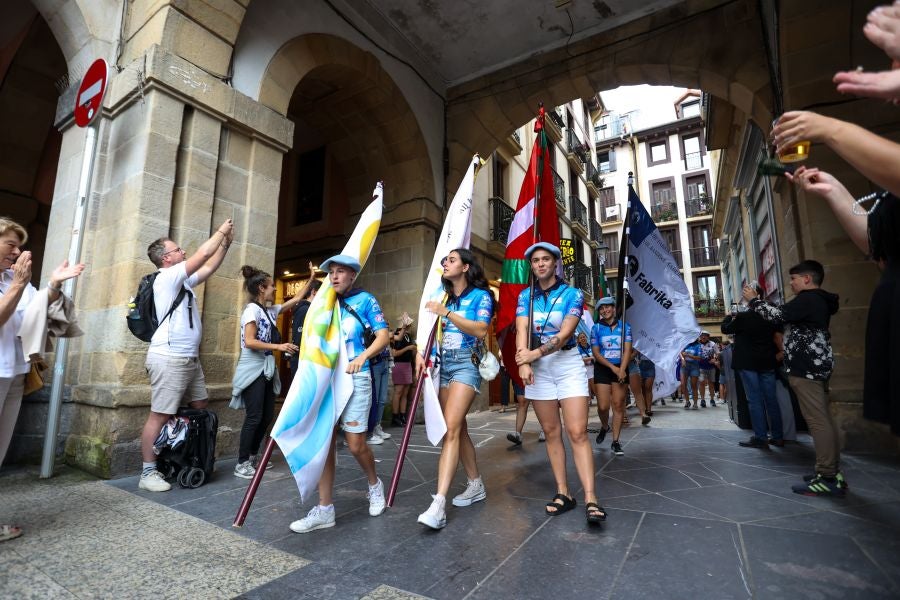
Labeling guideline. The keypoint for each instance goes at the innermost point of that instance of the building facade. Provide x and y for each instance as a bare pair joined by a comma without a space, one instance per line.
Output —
674,176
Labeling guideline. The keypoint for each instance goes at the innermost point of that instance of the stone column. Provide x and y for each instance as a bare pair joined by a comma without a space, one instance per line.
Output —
179,152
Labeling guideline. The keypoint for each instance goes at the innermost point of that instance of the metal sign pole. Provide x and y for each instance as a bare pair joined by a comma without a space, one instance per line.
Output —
68,288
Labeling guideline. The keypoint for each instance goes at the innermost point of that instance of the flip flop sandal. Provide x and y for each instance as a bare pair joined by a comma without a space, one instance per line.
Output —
594,512
9,532
554,508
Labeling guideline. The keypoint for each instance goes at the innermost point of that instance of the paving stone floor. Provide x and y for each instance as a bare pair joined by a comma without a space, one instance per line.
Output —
691,515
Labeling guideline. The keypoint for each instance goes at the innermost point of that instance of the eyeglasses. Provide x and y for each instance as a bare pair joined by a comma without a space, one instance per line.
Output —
171,251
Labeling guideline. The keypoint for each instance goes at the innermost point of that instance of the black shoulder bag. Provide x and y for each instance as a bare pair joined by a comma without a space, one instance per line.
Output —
368,334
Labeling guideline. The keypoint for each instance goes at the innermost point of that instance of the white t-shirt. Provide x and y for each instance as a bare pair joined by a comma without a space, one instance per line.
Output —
175,337
253,312
12,359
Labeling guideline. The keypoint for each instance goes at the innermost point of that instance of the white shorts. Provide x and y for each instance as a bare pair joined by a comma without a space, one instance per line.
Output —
557,376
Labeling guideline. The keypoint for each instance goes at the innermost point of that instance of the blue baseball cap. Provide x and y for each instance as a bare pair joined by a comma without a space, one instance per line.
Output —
543,246
341,259
606,301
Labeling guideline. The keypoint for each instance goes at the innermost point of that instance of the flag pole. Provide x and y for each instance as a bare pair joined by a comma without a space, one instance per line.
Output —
407,431
254,485
626,233
538,173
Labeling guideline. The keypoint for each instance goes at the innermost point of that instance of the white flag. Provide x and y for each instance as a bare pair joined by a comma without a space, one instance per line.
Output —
662,316
456,233
665,383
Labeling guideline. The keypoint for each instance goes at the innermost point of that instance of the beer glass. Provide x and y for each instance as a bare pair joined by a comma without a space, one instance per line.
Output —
796,152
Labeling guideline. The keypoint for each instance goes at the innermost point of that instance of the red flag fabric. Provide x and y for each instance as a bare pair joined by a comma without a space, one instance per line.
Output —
535,221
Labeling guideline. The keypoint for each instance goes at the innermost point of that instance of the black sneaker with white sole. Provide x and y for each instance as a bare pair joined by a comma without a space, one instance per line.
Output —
617,448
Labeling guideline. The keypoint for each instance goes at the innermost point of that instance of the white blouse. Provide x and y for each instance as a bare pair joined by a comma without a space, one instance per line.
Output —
12,360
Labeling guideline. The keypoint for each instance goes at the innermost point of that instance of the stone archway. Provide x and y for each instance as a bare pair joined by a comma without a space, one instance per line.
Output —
31,67
654,50
341,99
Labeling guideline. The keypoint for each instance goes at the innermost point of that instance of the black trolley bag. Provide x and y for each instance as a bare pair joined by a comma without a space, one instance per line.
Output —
192,462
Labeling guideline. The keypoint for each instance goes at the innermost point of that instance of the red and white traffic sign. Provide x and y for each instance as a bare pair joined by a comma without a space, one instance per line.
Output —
90,93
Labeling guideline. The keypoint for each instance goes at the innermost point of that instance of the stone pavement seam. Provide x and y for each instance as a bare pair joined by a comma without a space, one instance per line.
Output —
625,555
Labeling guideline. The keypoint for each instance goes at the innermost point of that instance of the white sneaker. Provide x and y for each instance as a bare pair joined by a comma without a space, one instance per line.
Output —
381,432
435,517
154,482
317,518
374,440
254,460
542,437
475,492
375,495
244,470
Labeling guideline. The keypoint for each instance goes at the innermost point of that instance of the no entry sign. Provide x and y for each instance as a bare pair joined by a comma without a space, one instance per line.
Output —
90,93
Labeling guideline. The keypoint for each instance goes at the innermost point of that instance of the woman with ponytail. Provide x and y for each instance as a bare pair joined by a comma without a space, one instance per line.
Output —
255,383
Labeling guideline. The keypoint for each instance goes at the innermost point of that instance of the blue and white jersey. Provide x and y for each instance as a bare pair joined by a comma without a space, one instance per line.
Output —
608,340
254,312
368,309
473,304
551,307
694,349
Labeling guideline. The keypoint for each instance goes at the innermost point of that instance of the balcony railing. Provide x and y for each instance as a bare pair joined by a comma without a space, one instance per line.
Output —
576,147
517,136
596,233
590,173
693,161
613,128
559,186
611,216
710,308
501,219
578,213
698,207
556,116
583,278
665,211
597,179
705,256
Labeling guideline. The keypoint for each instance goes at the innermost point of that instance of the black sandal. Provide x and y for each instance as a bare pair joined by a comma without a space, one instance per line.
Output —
594,512
558,509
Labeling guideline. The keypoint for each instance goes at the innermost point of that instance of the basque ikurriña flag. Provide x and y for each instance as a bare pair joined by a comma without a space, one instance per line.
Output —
522,234
456,233
321,388
661,314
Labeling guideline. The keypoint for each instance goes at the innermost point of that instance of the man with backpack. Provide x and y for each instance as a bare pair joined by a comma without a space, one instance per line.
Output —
173,359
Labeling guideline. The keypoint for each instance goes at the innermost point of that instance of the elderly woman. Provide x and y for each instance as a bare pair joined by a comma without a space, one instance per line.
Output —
16,293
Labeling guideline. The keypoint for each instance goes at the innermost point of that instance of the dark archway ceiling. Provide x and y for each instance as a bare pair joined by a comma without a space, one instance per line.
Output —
489,35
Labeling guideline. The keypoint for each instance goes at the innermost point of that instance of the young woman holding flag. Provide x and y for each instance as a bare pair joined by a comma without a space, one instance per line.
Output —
554,375
464,321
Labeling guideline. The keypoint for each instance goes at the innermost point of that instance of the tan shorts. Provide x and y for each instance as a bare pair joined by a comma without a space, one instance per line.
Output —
174,379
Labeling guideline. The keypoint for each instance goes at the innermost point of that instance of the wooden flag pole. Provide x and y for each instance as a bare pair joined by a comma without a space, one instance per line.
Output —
411,410
254,485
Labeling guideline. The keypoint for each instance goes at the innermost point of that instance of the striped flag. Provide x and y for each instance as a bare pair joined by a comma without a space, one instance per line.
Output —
456,233
321,388
522,234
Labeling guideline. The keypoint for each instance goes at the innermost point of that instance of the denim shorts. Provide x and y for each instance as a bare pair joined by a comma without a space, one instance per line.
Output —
357,409
647,368
691,369
456,365
633,368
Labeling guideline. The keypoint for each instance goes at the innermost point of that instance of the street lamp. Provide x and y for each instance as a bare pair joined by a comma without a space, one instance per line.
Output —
602,249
